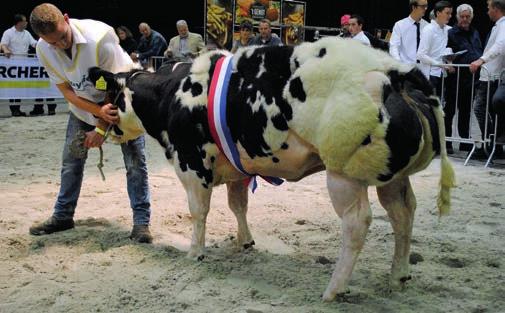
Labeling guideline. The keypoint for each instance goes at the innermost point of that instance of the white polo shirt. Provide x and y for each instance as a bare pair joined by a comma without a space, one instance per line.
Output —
494,53
18,42
362,38
403,42
94,44
431,48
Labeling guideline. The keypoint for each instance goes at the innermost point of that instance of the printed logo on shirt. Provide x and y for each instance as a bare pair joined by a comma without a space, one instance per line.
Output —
81,85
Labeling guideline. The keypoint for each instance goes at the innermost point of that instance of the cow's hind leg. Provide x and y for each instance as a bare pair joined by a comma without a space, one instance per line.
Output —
237,200
199,204
350,201
399,201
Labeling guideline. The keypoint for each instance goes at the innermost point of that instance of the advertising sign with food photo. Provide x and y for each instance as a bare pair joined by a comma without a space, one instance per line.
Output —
293,17
219,26
256,10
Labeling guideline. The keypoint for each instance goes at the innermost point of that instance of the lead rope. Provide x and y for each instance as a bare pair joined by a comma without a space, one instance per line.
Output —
100,162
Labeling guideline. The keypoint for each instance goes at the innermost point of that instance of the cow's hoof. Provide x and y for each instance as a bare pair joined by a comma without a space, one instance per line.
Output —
404,279
330,295
399,284
195,255
249,245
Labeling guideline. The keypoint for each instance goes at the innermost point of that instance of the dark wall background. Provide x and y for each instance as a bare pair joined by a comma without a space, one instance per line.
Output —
162,17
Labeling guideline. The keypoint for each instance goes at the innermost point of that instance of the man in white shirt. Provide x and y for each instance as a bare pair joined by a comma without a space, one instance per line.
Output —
407,33
433,44
492,64
356,29
67,49
16,41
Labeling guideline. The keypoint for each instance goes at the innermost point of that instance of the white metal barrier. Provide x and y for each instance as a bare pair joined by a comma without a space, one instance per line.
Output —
487,138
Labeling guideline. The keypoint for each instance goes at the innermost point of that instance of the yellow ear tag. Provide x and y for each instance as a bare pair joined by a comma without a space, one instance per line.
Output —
101,84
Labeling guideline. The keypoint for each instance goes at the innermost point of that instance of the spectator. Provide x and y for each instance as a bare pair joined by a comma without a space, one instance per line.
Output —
407,33
492,63
245,36
152,44
461,37
265,36
344,24
356,29
126,40
433,44
16,41
186,44
87,121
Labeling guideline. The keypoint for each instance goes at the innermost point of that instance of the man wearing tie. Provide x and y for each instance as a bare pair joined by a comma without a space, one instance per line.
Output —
407,33
492,63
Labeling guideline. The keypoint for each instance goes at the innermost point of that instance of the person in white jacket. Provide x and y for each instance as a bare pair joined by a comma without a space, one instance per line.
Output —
492,64
407,33
433,44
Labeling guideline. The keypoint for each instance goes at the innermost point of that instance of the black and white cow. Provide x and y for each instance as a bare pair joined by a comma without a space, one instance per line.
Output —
332,105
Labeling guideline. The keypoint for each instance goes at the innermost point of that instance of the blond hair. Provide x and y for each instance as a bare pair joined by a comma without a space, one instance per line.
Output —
45,18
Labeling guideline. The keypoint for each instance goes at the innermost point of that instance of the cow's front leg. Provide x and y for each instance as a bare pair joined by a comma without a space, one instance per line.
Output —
399,201
350,201
237,200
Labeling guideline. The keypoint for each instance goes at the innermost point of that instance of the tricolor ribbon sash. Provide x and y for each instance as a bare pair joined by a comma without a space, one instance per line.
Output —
216,114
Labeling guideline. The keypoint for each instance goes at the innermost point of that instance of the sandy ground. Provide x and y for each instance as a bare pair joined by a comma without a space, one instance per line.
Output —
96,268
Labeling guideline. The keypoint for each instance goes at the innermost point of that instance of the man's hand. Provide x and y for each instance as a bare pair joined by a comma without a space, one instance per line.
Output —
168,53
133,56
93,139
450,69
474,66
7,52
108,113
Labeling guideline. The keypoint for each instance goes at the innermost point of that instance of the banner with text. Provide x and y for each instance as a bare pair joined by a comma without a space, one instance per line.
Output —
25,78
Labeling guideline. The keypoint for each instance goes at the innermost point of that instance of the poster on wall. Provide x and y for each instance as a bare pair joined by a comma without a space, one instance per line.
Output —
256,10
293,19
219,23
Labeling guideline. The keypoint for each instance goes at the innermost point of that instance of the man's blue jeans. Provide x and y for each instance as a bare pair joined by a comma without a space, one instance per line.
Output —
73,167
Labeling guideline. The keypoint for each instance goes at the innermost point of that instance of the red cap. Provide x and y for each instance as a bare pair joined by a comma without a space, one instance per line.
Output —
345,19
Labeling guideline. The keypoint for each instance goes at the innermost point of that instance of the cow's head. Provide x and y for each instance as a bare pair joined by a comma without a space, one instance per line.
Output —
118,92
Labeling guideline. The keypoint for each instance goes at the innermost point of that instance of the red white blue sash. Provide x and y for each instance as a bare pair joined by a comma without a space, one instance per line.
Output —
216,114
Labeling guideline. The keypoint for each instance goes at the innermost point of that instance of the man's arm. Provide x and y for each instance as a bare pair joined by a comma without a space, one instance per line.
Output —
495,51
33,42
4,43
200,45
424,47
107,112
395,42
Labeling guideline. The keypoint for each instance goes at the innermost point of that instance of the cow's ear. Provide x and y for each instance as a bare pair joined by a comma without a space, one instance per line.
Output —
102,79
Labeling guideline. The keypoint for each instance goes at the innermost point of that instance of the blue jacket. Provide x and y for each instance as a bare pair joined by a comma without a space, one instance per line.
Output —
460,39
274,40
154,45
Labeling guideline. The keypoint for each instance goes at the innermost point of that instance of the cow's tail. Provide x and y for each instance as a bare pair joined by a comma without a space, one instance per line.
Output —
447,177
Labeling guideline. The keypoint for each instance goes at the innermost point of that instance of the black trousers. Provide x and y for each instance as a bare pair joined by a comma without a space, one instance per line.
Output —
459,97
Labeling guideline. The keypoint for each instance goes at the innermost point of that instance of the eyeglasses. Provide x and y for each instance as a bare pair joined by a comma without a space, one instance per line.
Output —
423,6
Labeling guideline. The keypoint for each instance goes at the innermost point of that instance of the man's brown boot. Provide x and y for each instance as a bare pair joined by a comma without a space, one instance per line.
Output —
141,233
50,226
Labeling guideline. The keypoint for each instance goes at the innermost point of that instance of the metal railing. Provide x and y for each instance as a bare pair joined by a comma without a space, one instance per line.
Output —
486,138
